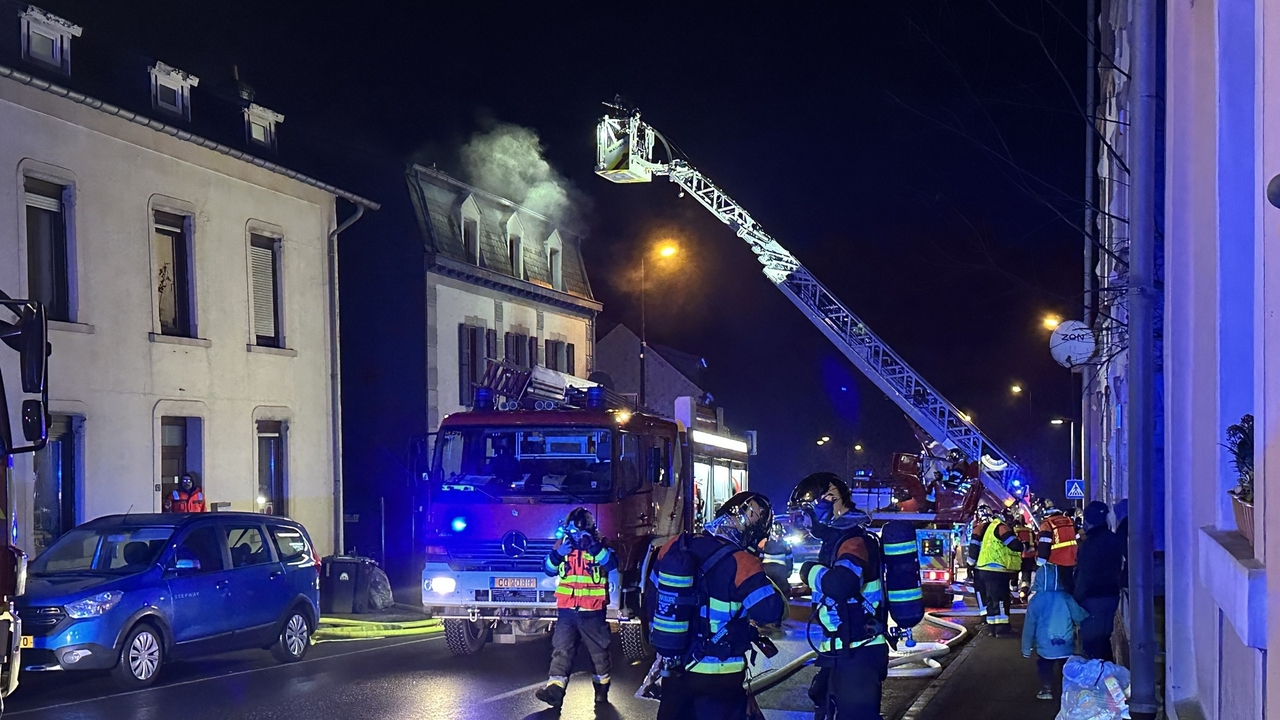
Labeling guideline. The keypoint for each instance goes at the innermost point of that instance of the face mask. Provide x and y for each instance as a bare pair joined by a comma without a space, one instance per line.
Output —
824,511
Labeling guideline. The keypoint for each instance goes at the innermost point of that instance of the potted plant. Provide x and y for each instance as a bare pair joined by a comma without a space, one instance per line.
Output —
1240,445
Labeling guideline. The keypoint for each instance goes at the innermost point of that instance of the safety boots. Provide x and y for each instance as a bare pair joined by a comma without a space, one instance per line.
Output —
552,695
602,692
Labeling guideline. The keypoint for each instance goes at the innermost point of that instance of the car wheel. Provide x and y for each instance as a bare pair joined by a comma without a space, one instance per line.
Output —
141,658
465,637
294,640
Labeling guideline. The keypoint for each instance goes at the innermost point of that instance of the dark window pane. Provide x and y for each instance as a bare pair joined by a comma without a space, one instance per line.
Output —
271,468
204,546
47,262
173,281
168,96
247,547
54,491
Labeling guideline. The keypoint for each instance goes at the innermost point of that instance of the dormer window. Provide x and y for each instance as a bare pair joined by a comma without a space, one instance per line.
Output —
471,231
515,246
555,261
171,90
46,39
260,125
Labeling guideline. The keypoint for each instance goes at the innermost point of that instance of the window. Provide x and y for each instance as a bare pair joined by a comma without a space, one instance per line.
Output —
47,260
204,547
471,240
171,90
291,545
246,546
55,490
46,39
559,356
181,452
475,346
557,269
271,468
515,248
264,275
517,347
260,125
173,274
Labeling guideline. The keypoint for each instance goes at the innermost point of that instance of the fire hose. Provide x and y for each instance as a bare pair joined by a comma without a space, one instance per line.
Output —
332,629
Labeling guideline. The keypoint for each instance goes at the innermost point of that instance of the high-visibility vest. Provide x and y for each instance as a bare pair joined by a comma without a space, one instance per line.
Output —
1062,549
1028,547
584,583
995,555
184,502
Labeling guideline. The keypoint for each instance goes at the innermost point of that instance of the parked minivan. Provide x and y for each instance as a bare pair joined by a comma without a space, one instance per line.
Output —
129,593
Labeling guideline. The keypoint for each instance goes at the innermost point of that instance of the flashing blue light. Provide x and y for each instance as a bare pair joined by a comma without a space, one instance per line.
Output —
596,397
14,532
484,398
459,524
1017,483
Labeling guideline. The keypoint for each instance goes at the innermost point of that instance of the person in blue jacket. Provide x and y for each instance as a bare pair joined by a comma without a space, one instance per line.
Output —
1050,627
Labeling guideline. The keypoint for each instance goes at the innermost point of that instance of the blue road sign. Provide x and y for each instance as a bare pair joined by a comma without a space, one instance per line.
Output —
1075,489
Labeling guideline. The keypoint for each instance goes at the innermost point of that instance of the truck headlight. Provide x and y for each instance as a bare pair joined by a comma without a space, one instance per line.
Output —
443,585
94,606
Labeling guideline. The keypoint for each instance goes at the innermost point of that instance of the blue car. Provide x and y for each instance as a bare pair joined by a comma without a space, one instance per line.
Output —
129,593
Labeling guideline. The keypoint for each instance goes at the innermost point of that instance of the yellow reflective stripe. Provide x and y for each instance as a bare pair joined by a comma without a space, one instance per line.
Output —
1068,543
906,595
581,591
901,548
829,644
675,580
669,626
715,666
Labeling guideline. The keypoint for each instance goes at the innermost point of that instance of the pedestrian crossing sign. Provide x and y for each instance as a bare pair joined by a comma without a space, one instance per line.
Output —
1075,489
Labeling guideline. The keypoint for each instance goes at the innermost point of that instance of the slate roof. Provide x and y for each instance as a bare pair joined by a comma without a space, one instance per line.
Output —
117,81
438,200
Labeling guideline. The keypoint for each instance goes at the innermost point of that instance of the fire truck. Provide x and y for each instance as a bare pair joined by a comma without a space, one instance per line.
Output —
503,477
28,335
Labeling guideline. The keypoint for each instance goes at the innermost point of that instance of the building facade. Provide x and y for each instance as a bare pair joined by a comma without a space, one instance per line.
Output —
447,278
187,278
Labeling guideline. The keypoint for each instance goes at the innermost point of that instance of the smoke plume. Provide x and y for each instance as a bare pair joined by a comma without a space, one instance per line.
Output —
508,161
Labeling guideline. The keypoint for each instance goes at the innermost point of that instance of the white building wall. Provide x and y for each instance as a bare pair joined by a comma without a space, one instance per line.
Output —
105,368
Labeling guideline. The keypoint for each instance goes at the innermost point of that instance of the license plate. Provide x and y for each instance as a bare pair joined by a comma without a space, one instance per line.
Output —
514,583
26,641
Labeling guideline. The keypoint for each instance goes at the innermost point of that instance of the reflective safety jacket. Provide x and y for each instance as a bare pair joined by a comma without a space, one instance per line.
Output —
1024,536
847,620
183,502
996,546
584,576
776,552
735,588
1057,543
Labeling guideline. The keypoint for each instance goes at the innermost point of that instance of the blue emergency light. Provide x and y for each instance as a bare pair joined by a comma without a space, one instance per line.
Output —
459,524
484,398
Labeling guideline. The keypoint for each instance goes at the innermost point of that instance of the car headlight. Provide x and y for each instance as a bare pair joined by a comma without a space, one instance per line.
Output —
94,606
443,585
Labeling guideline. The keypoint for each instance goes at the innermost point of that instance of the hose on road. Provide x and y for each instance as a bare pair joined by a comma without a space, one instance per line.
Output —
334,629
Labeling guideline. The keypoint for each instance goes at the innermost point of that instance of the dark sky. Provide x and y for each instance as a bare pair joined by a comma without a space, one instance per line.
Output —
923,158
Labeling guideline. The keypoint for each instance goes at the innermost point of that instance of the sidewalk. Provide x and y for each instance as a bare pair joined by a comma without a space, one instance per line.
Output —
989,679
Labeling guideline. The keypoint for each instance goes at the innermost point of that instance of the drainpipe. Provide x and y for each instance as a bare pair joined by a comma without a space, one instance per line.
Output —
1090,231
335,379
1140,294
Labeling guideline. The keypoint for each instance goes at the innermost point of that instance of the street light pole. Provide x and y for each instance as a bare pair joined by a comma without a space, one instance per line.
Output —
644,343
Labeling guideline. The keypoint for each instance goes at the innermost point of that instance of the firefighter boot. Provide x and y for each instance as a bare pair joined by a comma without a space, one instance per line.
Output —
552,694
602,692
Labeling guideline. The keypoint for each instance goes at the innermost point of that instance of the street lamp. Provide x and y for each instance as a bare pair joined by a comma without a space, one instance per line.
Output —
857,448
1051,322
664,250
1072,424
1017,389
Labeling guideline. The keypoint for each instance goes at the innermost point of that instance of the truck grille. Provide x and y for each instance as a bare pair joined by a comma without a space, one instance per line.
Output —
489,555
41,621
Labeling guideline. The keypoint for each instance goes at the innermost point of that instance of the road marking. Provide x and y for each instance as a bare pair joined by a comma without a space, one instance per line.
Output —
219,677
527,688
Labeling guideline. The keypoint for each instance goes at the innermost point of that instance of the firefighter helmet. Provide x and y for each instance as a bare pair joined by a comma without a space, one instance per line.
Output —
814,487
744,519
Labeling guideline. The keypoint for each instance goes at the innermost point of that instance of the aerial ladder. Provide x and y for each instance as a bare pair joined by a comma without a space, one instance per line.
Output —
625,154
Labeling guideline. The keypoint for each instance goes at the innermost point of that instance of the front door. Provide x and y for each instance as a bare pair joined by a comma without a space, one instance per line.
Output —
259,588
200,585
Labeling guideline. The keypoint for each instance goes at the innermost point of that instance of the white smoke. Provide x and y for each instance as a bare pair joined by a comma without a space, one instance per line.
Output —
508,161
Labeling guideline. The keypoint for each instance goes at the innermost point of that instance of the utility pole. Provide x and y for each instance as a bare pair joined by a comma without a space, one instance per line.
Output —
1141,369
644,337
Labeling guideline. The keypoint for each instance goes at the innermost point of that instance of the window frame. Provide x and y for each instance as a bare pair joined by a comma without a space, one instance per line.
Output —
51,27
63,206
267,119
221,544
226,528
263,240
180,82
185,295
273,505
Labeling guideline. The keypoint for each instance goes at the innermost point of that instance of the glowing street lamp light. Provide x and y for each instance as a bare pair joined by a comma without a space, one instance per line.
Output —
1051,322
1057,421
857,448
1016,389
826,439
668,250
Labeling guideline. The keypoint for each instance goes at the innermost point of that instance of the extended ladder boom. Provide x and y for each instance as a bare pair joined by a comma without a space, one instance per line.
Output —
625,155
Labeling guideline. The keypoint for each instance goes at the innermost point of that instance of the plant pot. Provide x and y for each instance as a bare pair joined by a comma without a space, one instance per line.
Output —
1244,518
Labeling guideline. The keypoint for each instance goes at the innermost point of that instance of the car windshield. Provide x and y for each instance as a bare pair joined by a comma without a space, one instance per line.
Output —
552,464
116,550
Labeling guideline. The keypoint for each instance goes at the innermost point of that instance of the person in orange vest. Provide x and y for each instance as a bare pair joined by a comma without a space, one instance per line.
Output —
583,562
1057,544
188,496
1028,559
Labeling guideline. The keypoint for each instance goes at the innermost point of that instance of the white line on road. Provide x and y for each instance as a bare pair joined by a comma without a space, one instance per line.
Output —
219,677
525,689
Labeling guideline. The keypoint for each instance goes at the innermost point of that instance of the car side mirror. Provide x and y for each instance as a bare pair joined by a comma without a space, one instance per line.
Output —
185,565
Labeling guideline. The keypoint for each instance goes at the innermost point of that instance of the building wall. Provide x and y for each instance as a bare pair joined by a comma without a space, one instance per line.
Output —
618,354
1220,231
106,370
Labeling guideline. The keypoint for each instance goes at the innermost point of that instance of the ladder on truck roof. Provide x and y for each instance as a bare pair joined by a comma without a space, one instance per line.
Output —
624,154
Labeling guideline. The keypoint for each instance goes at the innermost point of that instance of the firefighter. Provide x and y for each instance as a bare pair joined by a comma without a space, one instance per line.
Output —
995,558
737,593
848,597
188,496
1057,544
777,558
582,562
1023,531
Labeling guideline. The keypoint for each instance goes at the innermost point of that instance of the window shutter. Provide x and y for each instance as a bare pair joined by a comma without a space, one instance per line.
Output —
508,347
263,276
533,352
464,365
491,344
549,358
568,361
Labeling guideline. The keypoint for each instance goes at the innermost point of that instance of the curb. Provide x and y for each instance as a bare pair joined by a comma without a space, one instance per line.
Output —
925,698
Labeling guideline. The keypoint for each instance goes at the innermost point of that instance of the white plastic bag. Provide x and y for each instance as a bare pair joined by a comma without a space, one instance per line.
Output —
1094,690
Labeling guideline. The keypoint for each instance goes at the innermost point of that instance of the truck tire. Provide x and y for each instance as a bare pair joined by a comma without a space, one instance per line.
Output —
635,646
465,637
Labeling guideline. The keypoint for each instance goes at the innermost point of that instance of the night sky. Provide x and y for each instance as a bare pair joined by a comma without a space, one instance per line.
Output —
924,159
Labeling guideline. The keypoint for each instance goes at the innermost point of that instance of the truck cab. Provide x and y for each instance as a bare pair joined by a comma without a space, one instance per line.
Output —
502,481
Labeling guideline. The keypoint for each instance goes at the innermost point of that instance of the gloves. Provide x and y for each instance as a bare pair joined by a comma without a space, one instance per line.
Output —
804,571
